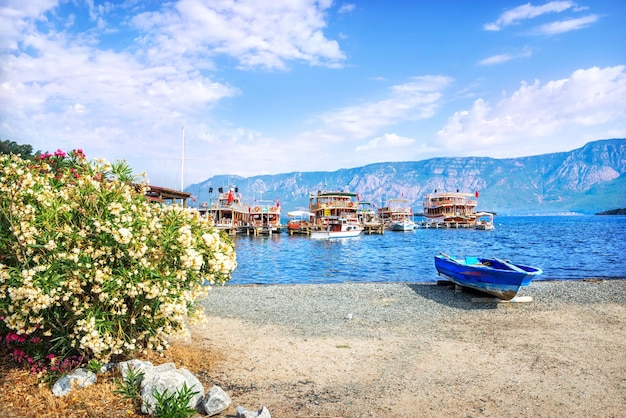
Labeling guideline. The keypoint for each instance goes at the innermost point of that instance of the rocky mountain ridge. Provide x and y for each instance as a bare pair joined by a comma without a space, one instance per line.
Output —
586,180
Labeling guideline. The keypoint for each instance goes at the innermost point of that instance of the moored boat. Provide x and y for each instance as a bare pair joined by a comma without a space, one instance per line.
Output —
229,212
369,219
450,207
264,217
494,276
335,215
367,214
484,221
299,221
338,228
402,225
397,215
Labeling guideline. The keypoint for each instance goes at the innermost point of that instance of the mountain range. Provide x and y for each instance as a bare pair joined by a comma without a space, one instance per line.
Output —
586,180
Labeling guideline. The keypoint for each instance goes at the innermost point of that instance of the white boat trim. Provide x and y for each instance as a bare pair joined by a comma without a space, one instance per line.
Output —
338,228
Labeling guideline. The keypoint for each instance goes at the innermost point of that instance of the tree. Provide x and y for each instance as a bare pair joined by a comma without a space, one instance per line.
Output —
11,147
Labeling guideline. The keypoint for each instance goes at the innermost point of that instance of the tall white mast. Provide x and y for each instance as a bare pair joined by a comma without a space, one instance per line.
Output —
182,164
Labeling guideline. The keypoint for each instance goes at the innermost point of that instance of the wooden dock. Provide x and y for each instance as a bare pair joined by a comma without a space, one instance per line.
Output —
303,230
374,228
444,225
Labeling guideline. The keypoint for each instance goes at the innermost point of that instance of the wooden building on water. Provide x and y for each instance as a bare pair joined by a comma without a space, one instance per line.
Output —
164,195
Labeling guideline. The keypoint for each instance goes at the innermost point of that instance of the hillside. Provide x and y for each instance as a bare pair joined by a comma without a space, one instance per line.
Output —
586,180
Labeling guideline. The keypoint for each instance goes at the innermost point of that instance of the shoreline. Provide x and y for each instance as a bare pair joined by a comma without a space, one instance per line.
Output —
388,349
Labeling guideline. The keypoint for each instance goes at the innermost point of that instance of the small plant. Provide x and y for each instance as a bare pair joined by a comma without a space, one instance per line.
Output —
36,353
128,387
94,365
175,405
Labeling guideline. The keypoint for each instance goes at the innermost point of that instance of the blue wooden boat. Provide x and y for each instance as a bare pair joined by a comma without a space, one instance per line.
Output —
494,276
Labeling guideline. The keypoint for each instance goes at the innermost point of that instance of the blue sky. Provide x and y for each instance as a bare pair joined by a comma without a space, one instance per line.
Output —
275,86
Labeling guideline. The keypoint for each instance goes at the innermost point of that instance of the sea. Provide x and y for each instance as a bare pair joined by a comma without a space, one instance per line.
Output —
564,247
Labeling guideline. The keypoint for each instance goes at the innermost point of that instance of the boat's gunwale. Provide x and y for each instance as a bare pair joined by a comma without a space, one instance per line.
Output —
502,283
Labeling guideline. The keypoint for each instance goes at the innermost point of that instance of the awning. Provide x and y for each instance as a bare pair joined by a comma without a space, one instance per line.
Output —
300,214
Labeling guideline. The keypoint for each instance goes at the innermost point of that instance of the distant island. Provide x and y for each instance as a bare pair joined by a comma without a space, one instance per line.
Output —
621,211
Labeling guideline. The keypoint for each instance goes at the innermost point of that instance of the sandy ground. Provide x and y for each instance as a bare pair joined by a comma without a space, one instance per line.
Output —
418,350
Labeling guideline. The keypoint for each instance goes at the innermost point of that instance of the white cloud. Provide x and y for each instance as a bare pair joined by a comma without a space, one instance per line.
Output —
346,8
332,143
133,101
386,141
257,34
567,25
113,86
18,17
66,85
536,114
416,99
527,11
502,58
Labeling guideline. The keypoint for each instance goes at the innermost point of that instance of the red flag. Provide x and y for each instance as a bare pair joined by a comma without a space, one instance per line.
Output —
278,202
230,196
476,193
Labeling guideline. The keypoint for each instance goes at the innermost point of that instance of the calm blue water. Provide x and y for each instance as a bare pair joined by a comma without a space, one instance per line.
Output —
565,247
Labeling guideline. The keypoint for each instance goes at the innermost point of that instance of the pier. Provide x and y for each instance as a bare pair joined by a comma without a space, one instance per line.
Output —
374,228
446,225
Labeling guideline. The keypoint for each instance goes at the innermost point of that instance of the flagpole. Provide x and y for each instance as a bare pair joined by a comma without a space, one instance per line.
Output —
182,164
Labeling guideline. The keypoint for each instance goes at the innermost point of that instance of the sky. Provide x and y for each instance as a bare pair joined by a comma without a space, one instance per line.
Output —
183,90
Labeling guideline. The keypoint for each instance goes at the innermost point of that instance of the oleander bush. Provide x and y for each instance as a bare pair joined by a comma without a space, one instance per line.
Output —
91,270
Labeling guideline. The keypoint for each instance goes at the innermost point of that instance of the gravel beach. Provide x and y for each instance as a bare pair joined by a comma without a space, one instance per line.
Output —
404,349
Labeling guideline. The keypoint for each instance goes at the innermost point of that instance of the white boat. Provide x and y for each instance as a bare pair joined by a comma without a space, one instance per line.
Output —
397,215
402,225
484,221
338,228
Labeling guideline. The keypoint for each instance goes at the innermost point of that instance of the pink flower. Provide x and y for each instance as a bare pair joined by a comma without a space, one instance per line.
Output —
19,355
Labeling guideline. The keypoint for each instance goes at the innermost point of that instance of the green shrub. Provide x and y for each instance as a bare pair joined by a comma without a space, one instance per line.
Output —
175,405
128,387
92,268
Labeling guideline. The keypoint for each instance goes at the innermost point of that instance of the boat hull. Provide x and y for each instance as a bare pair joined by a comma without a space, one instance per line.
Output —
402,226
502,279
335,234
